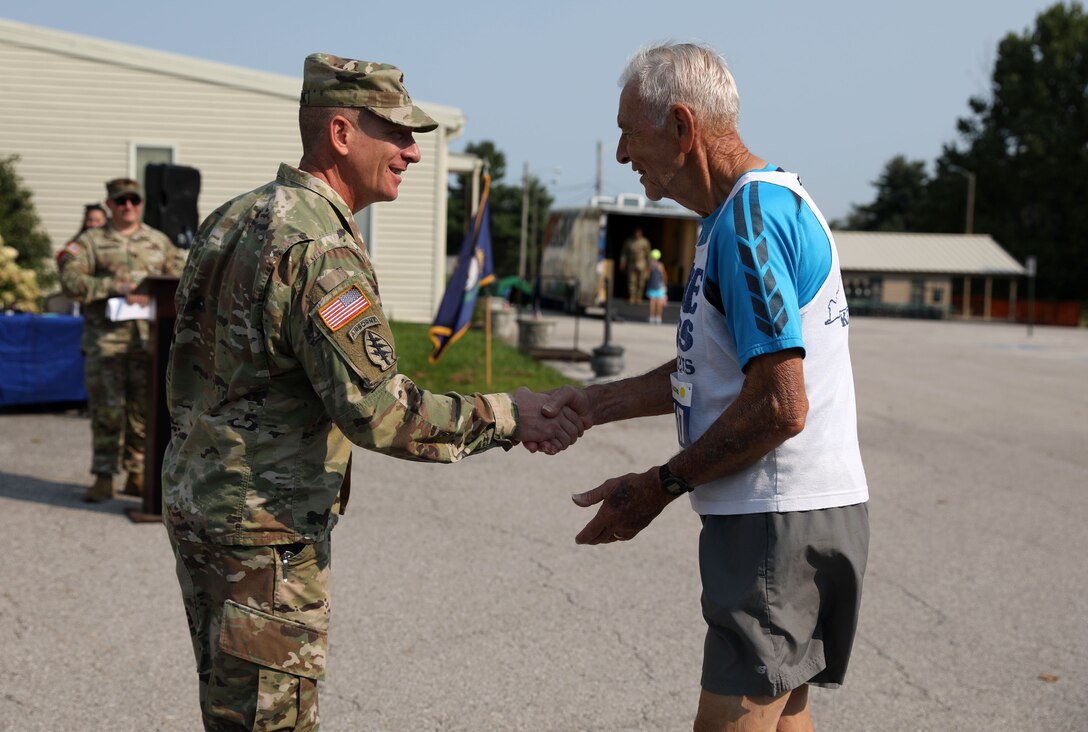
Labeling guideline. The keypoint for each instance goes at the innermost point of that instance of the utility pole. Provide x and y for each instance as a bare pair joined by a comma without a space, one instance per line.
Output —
970,202
600,168
1030,267
534,226
969,225
524,220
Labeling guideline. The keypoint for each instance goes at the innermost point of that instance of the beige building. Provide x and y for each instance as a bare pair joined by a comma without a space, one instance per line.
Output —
939,275
79,111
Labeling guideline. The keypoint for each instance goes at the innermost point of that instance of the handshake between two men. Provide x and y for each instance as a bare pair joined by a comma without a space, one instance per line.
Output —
550,422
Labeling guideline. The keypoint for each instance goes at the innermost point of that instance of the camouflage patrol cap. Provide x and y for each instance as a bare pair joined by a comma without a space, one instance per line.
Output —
121,186
331,81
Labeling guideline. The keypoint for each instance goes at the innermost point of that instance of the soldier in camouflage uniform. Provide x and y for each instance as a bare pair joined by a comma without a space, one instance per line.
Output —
635,260
282,358
100,264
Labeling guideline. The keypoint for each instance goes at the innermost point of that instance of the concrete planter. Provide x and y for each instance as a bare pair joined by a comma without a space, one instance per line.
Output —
502,323
534,333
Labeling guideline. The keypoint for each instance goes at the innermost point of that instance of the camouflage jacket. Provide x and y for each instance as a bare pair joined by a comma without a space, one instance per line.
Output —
636,253
98,262
281,358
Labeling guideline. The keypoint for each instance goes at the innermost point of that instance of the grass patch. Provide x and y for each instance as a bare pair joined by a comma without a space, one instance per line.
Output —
463,366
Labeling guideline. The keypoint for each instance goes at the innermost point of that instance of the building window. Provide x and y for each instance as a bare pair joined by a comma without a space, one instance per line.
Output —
917,292
864,289
144,154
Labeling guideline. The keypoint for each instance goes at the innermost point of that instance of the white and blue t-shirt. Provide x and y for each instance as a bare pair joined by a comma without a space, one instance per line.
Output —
766,278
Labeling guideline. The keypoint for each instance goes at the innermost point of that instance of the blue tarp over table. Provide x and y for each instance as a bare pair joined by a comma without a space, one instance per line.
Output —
40,361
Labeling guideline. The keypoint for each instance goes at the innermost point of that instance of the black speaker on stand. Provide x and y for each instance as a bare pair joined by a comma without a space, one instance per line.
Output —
170,205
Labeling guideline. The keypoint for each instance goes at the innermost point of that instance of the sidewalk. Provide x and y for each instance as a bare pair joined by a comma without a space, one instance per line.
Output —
461,602
645,346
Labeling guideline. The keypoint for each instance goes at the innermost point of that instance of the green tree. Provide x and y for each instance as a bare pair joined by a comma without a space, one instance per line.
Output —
506,205
900,197
1028,148
459,206
20,226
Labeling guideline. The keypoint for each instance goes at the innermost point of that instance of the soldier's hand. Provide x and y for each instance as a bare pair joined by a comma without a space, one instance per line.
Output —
628,505
550,423
144,300
573,404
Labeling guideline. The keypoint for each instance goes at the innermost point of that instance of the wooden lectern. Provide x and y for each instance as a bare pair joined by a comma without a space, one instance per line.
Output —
161,290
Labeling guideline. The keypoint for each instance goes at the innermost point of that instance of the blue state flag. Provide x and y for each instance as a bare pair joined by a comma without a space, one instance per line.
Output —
474,270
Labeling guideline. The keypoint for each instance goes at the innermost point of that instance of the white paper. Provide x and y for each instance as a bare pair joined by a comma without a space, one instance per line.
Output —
118,308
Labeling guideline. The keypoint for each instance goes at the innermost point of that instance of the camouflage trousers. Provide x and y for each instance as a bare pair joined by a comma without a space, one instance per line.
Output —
259,620
636,283
117,394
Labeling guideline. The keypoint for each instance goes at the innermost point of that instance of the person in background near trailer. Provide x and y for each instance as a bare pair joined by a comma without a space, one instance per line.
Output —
763,395
657,291
635,261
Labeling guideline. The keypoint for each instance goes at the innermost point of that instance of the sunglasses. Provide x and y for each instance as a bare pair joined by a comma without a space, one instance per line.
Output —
129,199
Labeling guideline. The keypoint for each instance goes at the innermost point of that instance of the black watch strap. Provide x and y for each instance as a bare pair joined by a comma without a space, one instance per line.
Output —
674,485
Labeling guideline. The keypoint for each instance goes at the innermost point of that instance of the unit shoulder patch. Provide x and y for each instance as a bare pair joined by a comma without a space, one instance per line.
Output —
351,319
360,326
378,349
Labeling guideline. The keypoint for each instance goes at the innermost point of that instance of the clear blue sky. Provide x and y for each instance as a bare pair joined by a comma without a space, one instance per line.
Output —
830,90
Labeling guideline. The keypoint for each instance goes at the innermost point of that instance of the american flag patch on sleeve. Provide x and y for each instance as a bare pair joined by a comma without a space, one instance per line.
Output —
342,308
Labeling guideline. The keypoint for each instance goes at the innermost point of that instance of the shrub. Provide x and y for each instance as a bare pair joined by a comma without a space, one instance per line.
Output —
18,286
20,226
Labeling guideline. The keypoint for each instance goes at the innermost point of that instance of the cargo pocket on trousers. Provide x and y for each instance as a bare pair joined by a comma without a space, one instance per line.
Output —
290,658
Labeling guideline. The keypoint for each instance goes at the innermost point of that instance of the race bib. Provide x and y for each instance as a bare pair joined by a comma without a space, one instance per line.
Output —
681,400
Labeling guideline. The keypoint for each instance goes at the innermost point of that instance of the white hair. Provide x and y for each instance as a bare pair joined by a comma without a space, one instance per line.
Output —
684,73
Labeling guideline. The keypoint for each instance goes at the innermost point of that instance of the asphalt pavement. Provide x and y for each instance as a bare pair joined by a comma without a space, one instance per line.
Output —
461,602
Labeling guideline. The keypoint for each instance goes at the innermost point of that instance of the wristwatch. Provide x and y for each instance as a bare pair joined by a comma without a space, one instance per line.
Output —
674,485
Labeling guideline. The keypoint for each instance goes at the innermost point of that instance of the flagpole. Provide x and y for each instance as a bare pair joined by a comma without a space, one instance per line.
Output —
487,334
487,297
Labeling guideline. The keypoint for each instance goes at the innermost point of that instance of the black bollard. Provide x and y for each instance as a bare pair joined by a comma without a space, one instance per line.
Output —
607,359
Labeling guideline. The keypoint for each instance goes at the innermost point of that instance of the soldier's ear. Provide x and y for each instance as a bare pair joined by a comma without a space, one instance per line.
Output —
339,131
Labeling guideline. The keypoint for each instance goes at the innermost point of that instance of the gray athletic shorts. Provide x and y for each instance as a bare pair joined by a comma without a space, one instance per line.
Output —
781,594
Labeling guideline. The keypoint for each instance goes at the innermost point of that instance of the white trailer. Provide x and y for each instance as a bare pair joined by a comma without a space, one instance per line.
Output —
582,247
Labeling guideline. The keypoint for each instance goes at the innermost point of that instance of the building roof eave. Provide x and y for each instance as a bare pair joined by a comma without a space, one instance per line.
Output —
187,67
907,253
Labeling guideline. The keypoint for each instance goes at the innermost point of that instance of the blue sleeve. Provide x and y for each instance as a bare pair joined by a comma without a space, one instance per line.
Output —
767,262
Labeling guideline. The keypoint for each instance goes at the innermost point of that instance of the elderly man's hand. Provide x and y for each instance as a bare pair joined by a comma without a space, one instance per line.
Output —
628,505
552,421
